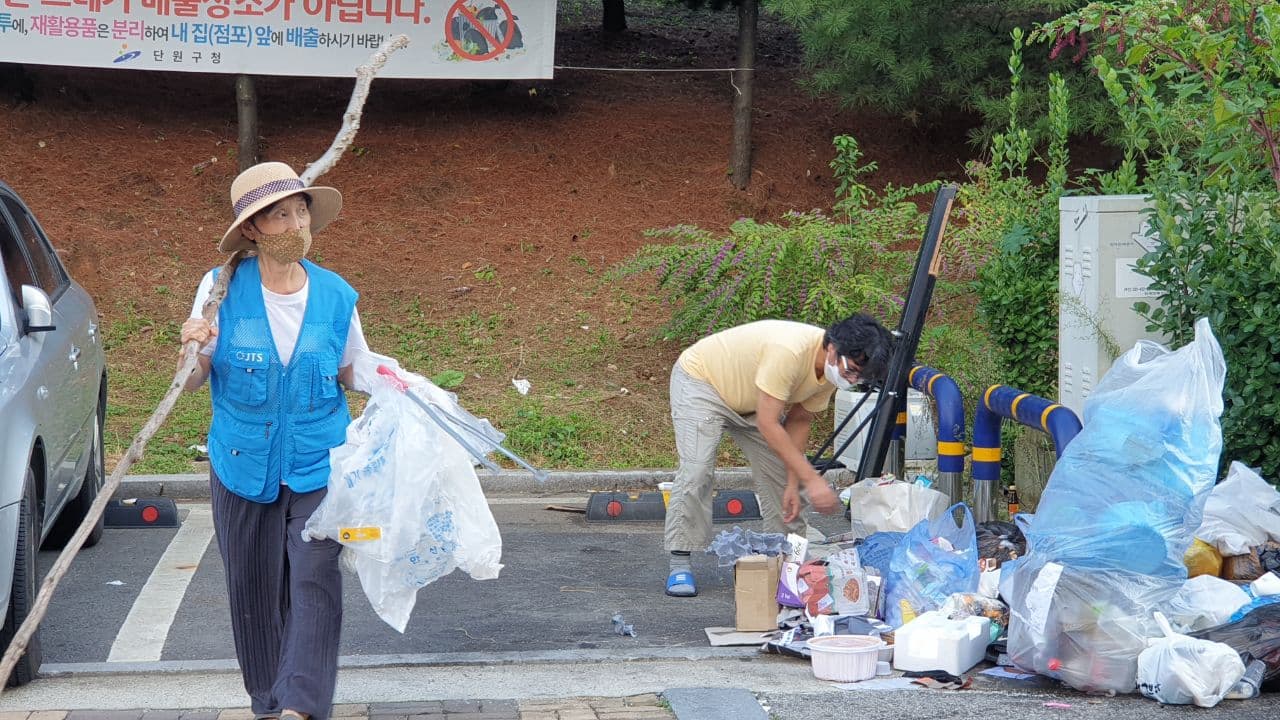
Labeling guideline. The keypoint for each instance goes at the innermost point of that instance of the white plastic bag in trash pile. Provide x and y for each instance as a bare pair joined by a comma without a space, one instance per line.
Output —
878,506
1242,512
1205,601
1180,670
403,495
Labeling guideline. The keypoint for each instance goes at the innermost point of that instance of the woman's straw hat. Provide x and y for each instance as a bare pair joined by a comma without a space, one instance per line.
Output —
265,184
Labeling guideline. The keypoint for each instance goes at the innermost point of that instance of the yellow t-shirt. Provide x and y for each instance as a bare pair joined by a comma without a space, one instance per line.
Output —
775,356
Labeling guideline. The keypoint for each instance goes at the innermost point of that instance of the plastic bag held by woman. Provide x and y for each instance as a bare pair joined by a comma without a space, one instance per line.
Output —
403,494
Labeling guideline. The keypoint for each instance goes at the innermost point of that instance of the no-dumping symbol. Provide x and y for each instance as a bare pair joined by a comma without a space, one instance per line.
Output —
482,34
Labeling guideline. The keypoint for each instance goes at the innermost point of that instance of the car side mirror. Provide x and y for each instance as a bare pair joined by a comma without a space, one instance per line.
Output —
39,310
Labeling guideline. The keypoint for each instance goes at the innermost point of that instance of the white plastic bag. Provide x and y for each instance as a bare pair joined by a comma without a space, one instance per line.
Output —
877,506
1205,601
403,495
1243,512
1180,670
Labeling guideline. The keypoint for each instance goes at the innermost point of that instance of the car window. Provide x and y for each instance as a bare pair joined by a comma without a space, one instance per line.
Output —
16,267
49,273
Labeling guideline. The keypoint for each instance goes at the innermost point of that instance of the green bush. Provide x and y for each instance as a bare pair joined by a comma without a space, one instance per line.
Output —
1015,220
809,267
1197,87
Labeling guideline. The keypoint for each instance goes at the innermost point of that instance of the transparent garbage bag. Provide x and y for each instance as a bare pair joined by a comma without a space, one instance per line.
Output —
1082,626
1129,491
404,498
1180,670
936,559
1107,541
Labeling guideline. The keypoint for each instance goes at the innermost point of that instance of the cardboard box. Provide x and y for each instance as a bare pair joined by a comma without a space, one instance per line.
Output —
755,589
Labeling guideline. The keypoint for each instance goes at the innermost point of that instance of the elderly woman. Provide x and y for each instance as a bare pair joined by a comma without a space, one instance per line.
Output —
283,342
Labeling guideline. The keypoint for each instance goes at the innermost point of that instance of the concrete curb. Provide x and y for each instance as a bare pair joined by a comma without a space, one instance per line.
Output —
458,659
506,482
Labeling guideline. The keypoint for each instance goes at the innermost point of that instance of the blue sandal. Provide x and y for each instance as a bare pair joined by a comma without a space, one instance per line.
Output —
680,584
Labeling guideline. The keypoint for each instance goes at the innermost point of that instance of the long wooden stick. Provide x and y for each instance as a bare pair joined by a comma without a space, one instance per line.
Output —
190,352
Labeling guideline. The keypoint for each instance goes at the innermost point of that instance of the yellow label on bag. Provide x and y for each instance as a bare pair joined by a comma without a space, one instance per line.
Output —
360,534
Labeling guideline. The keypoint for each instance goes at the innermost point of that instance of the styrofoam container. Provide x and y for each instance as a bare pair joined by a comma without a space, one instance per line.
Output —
932,642
845,658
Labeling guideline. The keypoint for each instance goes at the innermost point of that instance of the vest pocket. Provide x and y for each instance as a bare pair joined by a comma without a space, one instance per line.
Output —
326,381
311,445
247,383
241,466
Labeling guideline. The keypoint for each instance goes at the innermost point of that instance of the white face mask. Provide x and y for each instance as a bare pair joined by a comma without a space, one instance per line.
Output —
835,378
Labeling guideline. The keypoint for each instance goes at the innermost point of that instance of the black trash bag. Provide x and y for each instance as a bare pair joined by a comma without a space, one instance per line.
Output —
1256,634
1001,541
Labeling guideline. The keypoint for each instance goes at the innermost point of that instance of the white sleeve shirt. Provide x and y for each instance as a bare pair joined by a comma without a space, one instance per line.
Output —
284,316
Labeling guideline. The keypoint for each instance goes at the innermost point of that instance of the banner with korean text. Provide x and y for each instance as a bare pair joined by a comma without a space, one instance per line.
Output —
478,39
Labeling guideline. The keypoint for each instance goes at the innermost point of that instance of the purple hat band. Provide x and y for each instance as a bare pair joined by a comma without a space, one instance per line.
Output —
262,191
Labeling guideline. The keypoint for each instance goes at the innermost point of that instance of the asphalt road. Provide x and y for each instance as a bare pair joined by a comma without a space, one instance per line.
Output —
145,603
563,581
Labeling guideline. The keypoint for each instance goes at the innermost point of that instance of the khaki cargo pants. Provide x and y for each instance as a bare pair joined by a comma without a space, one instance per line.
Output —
700,419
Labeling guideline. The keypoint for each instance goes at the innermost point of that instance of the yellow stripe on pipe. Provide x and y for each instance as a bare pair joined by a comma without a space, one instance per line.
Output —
911,377
986,396
933,380
902,418
1013,407
981,454
950,448
1044,416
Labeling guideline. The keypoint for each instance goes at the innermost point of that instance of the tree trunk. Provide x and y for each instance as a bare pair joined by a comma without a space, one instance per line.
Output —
247,114
615,15
743,80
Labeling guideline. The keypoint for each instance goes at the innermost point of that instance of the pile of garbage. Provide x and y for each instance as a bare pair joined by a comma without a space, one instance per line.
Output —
1137,573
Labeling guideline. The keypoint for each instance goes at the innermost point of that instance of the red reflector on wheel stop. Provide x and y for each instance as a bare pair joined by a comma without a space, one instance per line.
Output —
734,506
141,512
622,506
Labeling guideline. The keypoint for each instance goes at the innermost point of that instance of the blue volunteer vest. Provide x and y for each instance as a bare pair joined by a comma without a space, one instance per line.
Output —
274,423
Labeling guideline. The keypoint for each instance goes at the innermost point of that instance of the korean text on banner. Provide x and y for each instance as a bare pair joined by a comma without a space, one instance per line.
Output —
466,39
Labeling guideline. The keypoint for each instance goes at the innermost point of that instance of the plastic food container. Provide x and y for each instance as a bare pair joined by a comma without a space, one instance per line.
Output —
845,658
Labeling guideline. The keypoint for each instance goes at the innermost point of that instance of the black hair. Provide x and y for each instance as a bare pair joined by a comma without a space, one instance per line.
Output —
862,339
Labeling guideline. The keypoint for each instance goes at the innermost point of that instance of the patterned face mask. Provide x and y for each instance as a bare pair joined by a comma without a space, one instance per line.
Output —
287,247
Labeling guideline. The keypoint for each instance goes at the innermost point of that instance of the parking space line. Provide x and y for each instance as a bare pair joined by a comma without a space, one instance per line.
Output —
143,634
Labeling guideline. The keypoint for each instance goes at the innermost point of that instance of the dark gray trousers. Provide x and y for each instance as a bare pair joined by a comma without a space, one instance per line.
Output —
286,600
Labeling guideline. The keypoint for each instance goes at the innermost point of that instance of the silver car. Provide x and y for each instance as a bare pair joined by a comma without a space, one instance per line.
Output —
53,397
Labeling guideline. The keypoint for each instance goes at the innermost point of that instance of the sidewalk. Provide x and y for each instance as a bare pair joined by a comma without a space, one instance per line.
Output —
637,707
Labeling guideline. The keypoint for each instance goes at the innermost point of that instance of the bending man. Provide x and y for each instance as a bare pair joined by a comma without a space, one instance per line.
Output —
762,382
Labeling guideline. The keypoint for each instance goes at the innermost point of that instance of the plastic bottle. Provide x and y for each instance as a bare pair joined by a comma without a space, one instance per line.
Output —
1250,685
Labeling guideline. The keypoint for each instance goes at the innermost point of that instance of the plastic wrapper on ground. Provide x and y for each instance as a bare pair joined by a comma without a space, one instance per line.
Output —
729,545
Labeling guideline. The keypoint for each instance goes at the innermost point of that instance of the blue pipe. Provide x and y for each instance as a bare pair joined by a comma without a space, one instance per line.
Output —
951,426
1002,401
